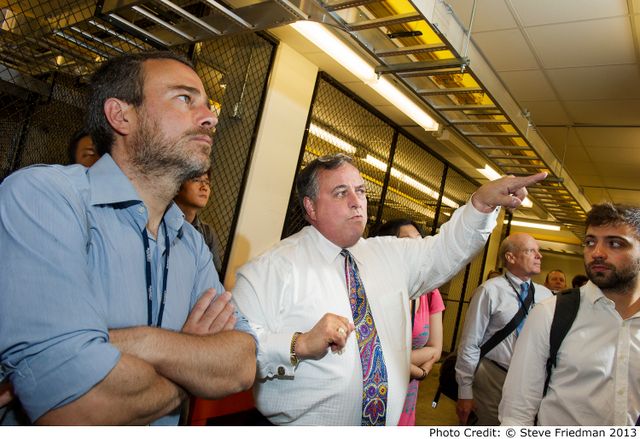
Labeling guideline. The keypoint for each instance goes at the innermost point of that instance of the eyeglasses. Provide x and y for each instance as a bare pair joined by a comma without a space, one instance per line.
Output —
201,181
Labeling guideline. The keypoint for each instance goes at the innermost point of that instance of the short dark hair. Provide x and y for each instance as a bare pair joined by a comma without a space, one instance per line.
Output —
73,143
122,78
557,270
610,214
579,280
392,227
307,181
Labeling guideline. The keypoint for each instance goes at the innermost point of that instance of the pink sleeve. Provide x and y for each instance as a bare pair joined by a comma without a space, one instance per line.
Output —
435,301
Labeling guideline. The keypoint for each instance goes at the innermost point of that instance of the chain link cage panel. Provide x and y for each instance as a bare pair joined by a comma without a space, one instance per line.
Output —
234,70
48,49
456,295
414,185
339,123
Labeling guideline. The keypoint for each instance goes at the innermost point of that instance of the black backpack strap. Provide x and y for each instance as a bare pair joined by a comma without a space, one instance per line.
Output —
567,304
499,336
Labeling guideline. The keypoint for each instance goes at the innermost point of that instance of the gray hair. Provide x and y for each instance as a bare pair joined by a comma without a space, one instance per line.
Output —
307,181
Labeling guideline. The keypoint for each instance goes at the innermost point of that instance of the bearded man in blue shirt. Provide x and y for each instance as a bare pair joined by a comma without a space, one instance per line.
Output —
111,311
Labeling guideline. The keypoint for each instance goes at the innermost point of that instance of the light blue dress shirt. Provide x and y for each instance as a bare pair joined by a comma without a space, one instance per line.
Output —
73,267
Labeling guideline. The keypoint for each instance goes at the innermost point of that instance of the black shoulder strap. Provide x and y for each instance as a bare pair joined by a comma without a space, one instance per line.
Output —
567,304
499,336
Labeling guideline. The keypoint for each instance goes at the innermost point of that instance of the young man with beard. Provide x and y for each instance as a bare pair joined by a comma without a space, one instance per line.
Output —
595,381
111,311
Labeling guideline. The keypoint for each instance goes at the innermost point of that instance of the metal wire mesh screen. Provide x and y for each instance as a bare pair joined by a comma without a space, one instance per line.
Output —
49,48
414,185
234,71
457,292
339,123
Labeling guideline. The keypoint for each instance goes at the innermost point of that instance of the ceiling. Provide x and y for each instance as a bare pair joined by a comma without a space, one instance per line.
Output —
533,86
574,65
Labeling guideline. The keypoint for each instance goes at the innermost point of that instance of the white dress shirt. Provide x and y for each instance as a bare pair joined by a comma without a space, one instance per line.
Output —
293,285
596,380
492,306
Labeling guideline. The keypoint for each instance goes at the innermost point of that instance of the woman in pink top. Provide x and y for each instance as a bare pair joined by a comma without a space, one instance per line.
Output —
427,326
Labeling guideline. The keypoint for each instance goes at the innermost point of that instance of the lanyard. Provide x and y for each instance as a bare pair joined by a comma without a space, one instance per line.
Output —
165,274
515,290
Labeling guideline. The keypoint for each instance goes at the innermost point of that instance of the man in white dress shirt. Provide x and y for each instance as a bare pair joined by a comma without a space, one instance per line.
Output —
595,381
493,305
295,295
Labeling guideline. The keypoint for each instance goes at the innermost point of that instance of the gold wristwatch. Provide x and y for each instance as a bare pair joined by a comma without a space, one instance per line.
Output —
293,358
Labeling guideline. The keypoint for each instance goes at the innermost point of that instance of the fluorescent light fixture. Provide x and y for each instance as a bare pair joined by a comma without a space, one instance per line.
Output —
489,172
492,174
535,225
331,138
410,181
345,56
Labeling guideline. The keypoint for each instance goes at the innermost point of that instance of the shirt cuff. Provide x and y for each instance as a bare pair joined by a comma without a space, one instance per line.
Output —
465,392
476,220
274,355
43,383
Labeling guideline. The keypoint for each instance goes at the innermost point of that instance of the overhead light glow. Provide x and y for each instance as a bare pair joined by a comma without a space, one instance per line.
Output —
410,181
492,174
535,225
331,138
345,56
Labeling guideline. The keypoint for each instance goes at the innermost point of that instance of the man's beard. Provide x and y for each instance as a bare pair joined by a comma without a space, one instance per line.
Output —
616,280
154,155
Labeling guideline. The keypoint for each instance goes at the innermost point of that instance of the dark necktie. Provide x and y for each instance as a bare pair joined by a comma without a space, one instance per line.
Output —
374,370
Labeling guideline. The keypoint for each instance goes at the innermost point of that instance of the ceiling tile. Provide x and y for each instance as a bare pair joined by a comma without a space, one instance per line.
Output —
628,156
625,197
533,13
597,195
505,50
584,43
490,15
528,85
610,137
558,136
604,112
546,112
598,82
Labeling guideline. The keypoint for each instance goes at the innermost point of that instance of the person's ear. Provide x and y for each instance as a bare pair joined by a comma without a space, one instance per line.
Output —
119,114
309,208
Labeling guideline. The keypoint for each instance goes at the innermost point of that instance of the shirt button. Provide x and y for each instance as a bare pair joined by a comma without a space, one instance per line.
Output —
140,209
281,370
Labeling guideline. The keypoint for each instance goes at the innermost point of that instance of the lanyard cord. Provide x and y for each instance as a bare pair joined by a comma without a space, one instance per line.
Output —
515,290
165,274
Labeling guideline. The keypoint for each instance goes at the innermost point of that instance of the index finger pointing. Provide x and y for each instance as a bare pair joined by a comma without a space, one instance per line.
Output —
520,182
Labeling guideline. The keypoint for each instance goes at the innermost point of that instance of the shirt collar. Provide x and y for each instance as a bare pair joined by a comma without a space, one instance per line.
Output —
108,183
593,293
515,279
328,249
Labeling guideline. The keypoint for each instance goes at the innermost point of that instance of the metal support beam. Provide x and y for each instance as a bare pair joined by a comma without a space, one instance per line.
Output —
420,66
385,21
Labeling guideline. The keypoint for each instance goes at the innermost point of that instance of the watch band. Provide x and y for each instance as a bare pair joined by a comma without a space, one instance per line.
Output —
293,358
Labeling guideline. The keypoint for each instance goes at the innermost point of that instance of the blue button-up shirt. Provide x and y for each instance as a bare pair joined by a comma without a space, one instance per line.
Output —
73,266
